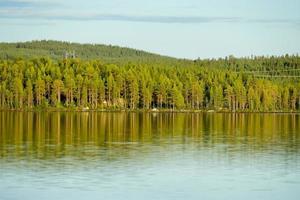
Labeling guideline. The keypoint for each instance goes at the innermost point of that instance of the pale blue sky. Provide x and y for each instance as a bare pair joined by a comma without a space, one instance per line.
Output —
186,29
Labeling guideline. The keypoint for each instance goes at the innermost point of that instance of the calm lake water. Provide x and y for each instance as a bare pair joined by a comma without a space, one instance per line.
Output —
149,156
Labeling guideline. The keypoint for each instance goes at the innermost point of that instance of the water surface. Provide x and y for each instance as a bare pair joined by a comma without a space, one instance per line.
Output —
102,155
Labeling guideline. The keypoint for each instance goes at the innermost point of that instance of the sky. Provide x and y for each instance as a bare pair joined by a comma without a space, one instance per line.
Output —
183,29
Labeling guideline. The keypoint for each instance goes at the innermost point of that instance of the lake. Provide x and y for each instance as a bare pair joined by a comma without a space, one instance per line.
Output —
121,155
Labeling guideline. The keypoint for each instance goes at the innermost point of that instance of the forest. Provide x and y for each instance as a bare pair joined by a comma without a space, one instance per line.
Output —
60,75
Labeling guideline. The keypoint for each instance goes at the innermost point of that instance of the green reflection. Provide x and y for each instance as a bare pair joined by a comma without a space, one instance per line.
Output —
57,134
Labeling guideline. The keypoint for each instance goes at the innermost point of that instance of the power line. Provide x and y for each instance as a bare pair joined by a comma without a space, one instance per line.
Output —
249,72
275,76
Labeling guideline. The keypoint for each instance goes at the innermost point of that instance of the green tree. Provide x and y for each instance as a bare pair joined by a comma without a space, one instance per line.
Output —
57,88
39,91
29,94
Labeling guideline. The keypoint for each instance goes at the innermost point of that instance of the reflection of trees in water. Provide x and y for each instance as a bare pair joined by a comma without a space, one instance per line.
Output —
56,134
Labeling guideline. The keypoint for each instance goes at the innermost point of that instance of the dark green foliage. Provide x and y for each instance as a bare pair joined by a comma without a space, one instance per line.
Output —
58,50
121,78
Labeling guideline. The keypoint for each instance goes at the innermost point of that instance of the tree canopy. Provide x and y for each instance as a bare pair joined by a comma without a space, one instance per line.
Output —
140,80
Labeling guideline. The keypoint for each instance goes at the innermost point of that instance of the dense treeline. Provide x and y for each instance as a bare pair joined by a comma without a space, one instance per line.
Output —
227,84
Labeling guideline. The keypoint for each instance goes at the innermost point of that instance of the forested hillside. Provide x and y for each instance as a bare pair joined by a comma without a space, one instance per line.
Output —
58,50
245,84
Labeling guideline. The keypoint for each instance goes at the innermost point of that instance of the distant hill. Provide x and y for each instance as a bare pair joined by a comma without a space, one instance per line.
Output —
58,50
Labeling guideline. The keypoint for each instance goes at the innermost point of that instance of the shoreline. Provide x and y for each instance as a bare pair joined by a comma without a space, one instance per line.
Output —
144,111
